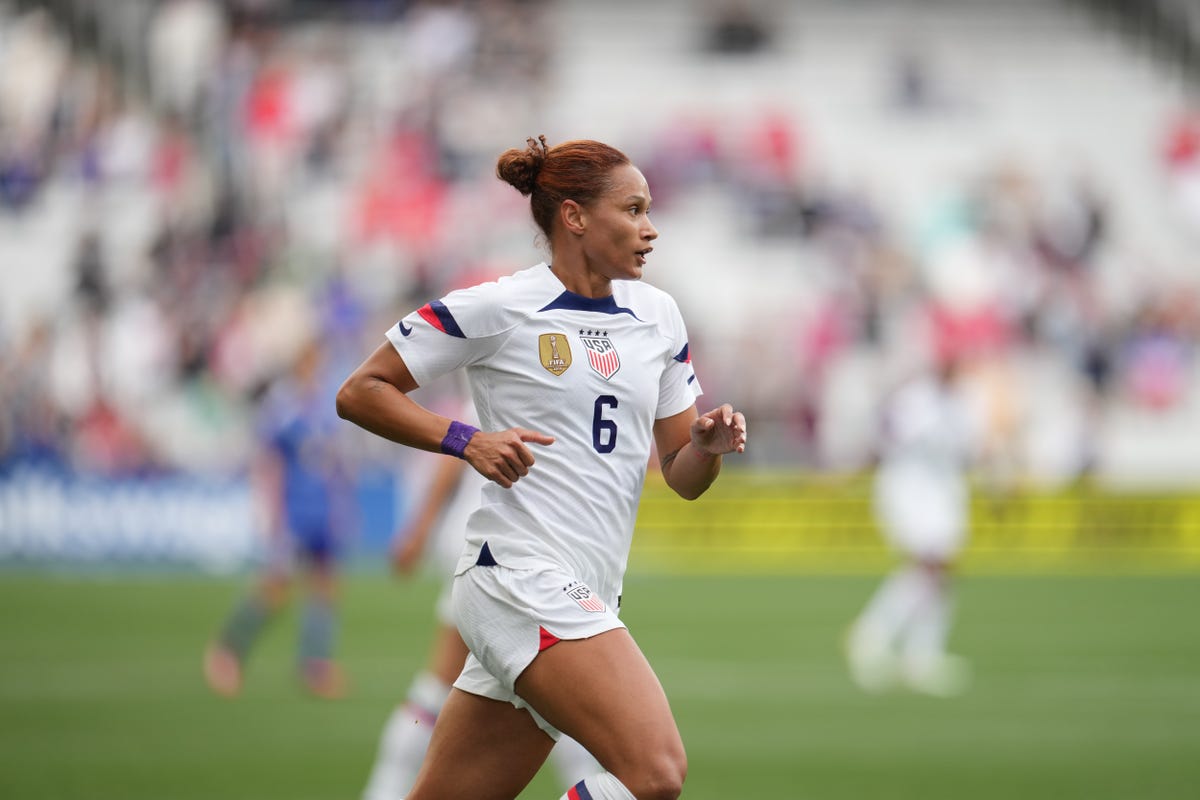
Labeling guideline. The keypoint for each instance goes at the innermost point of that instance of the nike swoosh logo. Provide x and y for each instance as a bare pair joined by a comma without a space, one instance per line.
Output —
404,329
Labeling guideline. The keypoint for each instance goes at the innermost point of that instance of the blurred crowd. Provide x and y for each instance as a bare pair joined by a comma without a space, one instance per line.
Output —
278,182
271,188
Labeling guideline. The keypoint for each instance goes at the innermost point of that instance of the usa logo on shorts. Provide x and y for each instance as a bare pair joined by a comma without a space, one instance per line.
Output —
601,353
582,595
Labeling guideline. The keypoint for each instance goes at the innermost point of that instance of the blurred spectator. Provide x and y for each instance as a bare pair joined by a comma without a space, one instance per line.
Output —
33,64
1180,154
1159,351
734,27
185,41
912,85
91,285
513,42
33,430
21,172
441,38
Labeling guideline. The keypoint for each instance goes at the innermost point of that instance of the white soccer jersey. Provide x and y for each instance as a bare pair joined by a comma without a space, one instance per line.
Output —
593,373
921,487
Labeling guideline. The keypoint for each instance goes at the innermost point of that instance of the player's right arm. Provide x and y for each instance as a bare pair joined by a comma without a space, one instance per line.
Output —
375,397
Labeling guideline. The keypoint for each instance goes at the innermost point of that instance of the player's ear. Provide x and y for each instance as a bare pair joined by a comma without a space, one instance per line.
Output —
572,217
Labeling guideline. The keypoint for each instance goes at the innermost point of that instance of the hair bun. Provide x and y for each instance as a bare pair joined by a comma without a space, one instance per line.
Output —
520,168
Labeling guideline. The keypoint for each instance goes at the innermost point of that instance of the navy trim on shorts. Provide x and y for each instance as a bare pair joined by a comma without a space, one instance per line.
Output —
486,559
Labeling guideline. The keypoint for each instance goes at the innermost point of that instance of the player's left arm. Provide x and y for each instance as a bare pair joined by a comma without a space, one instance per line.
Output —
694,444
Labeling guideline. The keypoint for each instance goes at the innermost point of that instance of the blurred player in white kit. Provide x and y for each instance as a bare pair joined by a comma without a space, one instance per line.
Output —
921,499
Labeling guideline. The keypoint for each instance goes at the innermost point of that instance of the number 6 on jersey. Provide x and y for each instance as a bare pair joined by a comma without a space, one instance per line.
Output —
604,431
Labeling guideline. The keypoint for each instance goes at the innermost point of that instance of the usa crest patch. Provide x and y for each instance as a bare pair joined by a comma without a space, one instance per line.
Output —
587,600
601,353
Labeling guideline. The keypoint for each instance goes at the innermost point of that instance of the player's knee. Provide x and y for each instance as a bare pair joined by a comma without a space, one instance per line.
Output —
275,593
660,777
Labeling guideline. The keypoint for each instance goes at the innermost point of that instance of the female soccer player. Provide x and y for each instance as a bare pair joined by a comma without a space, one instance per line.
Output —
581,362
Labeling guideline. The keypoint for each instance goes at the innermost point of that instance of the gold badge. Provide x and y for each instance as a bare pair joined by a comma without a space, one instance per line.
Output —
554,352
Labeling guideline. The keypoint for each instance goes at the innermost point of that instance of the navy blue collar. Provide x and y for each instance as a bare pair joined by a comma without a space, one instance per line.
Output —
576,302
570,301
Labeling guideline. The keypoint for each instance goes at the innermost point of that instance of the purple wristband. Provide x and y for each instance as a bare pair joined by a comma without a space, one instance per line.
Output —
457,437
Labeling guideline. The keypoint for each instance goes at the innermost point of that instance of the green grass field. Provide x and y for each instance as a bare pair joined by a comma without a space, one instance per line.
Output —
1086,687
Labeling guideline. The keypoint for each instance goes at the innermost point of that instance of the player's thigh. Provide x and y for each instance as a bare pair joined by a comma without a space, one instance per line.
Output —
481,749
448,655
603,692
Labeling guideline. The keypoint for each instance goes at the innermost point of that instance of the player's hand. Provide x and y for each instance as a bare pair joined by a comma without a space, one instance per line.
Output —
502,456
406,552
720,431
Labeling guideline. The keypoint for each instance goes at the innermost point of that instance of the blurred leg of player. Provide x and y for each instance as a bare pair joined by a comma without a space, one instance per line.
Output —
318,631
871,645
901,634
925,665
408,730
225,658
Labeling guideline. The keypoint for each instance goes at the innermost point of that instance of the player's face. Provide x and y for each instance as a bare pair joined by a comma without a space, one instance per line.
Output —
618,236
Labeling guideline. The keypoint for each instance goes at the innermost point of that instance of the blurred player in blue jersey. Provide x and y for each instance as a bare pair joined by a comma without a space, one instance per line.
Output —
305,486
577,369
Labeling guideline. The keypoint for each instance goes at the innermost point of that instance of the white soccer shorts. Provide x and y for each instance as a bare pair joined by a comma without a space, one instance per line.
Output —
508,616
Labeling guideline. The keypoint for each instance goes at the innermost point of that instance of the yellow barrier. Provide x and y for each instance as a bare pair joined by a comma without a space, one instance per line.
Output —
793,522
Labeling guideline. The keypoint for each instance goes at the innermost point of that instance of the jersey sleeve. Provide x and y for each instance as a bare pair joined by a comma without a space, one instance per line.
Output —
456,331
678,387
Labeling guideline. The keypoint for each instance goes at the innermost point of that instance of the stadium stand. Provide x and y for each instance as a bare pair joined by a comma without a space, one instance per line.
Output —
180,182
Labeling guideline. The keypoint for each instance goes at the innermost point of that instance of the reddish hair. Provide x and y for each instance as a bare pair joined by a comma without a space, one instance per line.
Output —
579,170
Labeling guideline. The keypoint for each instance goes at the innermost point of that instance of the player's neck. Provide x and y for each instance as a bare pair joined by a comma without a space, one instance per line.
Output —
581,281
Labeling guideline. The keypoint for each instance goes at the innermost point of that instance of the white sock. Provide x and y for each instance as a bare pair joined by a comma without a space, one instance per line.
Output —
925,639
572,761
405,739
598,787
891,608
